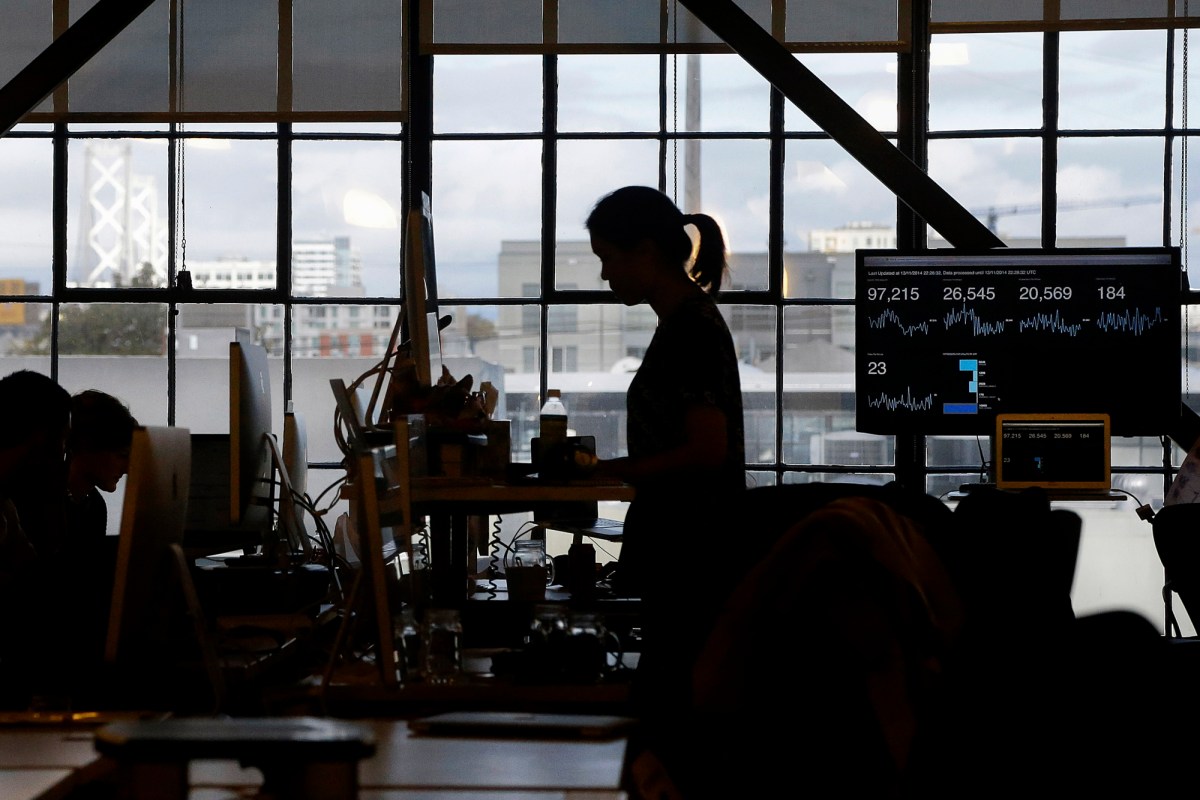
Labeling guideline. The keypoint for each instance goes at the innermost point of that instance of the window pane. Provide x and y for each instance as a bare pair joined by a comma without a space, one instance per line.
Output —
26,224
1183,230
1112,79
746,271
334,341
313,398
518,352
866,81
971,454
588,170
27,31
991,80
818,399
946,486
141,383
483,193
470,345
230,55
753,329
117,212
829,273
987,11
202,366
1178,105
998,180
733,189
687,28
487,94
341,331
487,22
870,479
625,21
592,338
24,327
608,93
733,95
345,55
230,200
131,72
826,193
1110,190
346,204
125,329
863,20
103,362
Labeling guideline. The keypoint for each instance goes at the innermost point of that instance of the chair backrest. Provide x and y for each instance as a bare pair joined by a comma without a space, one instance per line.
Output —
849,610
1177,539
1013,557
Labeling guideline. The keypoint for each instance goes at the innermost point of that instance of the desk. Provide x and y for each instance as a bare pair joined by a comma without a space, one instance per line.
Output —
410,766
449,501
44,763
40,765
388,491
358,693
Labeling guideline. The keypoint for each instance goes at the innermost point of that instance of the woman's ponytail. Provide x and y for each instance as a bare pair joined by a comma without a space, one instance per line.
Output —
710,266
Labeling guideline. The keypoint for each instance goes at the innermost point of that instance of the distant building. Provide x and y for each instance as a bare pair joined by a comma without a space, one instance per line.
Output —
852,236
599,338
319,267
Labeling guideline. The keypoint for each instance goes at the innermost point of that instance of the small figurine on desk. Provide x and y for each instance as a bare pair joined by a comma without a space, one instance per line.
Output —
449,403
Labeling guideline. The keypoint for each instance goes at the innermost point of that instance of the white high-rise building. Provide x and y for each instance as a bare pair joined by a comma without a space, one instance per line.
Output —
318,265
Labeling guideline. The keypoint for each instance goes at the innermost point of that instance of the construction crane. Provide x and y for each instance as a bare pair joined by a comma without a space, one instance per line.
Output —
992,214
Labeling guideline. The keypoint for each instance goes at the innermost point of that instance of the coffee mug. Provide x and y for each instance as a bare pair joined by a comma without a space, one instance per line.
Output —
528,570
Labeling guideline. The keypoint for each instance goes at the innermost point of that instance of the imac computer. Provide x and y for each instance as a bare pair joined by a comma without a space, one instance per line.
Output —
250,491
156,649
231,492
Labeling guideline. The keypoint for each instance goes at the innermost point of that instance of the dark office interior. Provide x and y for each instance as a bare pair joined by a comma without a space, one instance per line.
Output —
236,218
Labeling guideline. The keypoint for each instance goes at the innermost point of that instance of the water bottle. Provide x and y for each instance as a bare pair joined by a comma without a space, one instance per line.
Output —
554,419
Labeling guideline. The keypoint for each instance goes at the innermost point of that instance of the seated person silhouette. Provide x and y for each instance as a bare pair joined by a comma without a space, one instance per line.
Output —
34,419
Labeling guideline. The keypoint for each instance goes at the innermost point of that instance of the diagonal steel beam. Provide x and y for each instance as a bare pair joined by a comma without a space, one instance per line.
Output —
66,54
909,182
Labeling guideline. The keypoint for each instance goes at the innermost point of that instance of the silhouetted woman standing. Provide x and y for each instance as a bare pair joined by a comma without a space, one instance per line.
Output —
685,437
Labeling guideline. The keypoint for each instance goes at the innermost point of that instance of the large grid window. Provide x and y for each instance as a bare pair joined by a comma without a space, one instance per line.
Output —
273,152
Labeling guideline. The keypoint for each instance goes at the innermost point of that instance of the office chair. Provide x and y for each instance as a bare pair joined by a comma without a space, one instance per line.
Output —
842,631
1177,540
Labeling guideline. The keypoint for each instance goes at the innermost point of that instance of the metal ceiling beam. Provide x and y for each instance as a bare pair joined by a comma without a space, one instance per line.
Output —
807,92
65,55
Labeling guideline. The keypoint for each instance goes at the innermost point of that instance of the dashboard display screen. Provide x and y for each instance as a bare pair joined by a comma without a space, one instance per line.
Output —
945,339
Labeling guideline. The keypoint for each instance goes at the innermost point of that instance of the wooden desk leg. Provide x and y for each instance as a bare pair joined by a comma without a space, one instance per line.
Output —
330,780
152,780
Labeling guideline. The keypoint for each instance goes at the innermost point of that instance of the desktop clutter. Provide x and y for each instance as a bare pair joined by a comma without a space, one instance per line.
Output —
425,432
447,430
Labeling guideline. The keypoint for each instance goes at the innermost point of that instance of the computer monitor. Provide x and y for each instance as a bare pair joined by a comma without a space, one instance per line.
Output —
147,585
292,469
947,339
295,449
418,266
250,491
